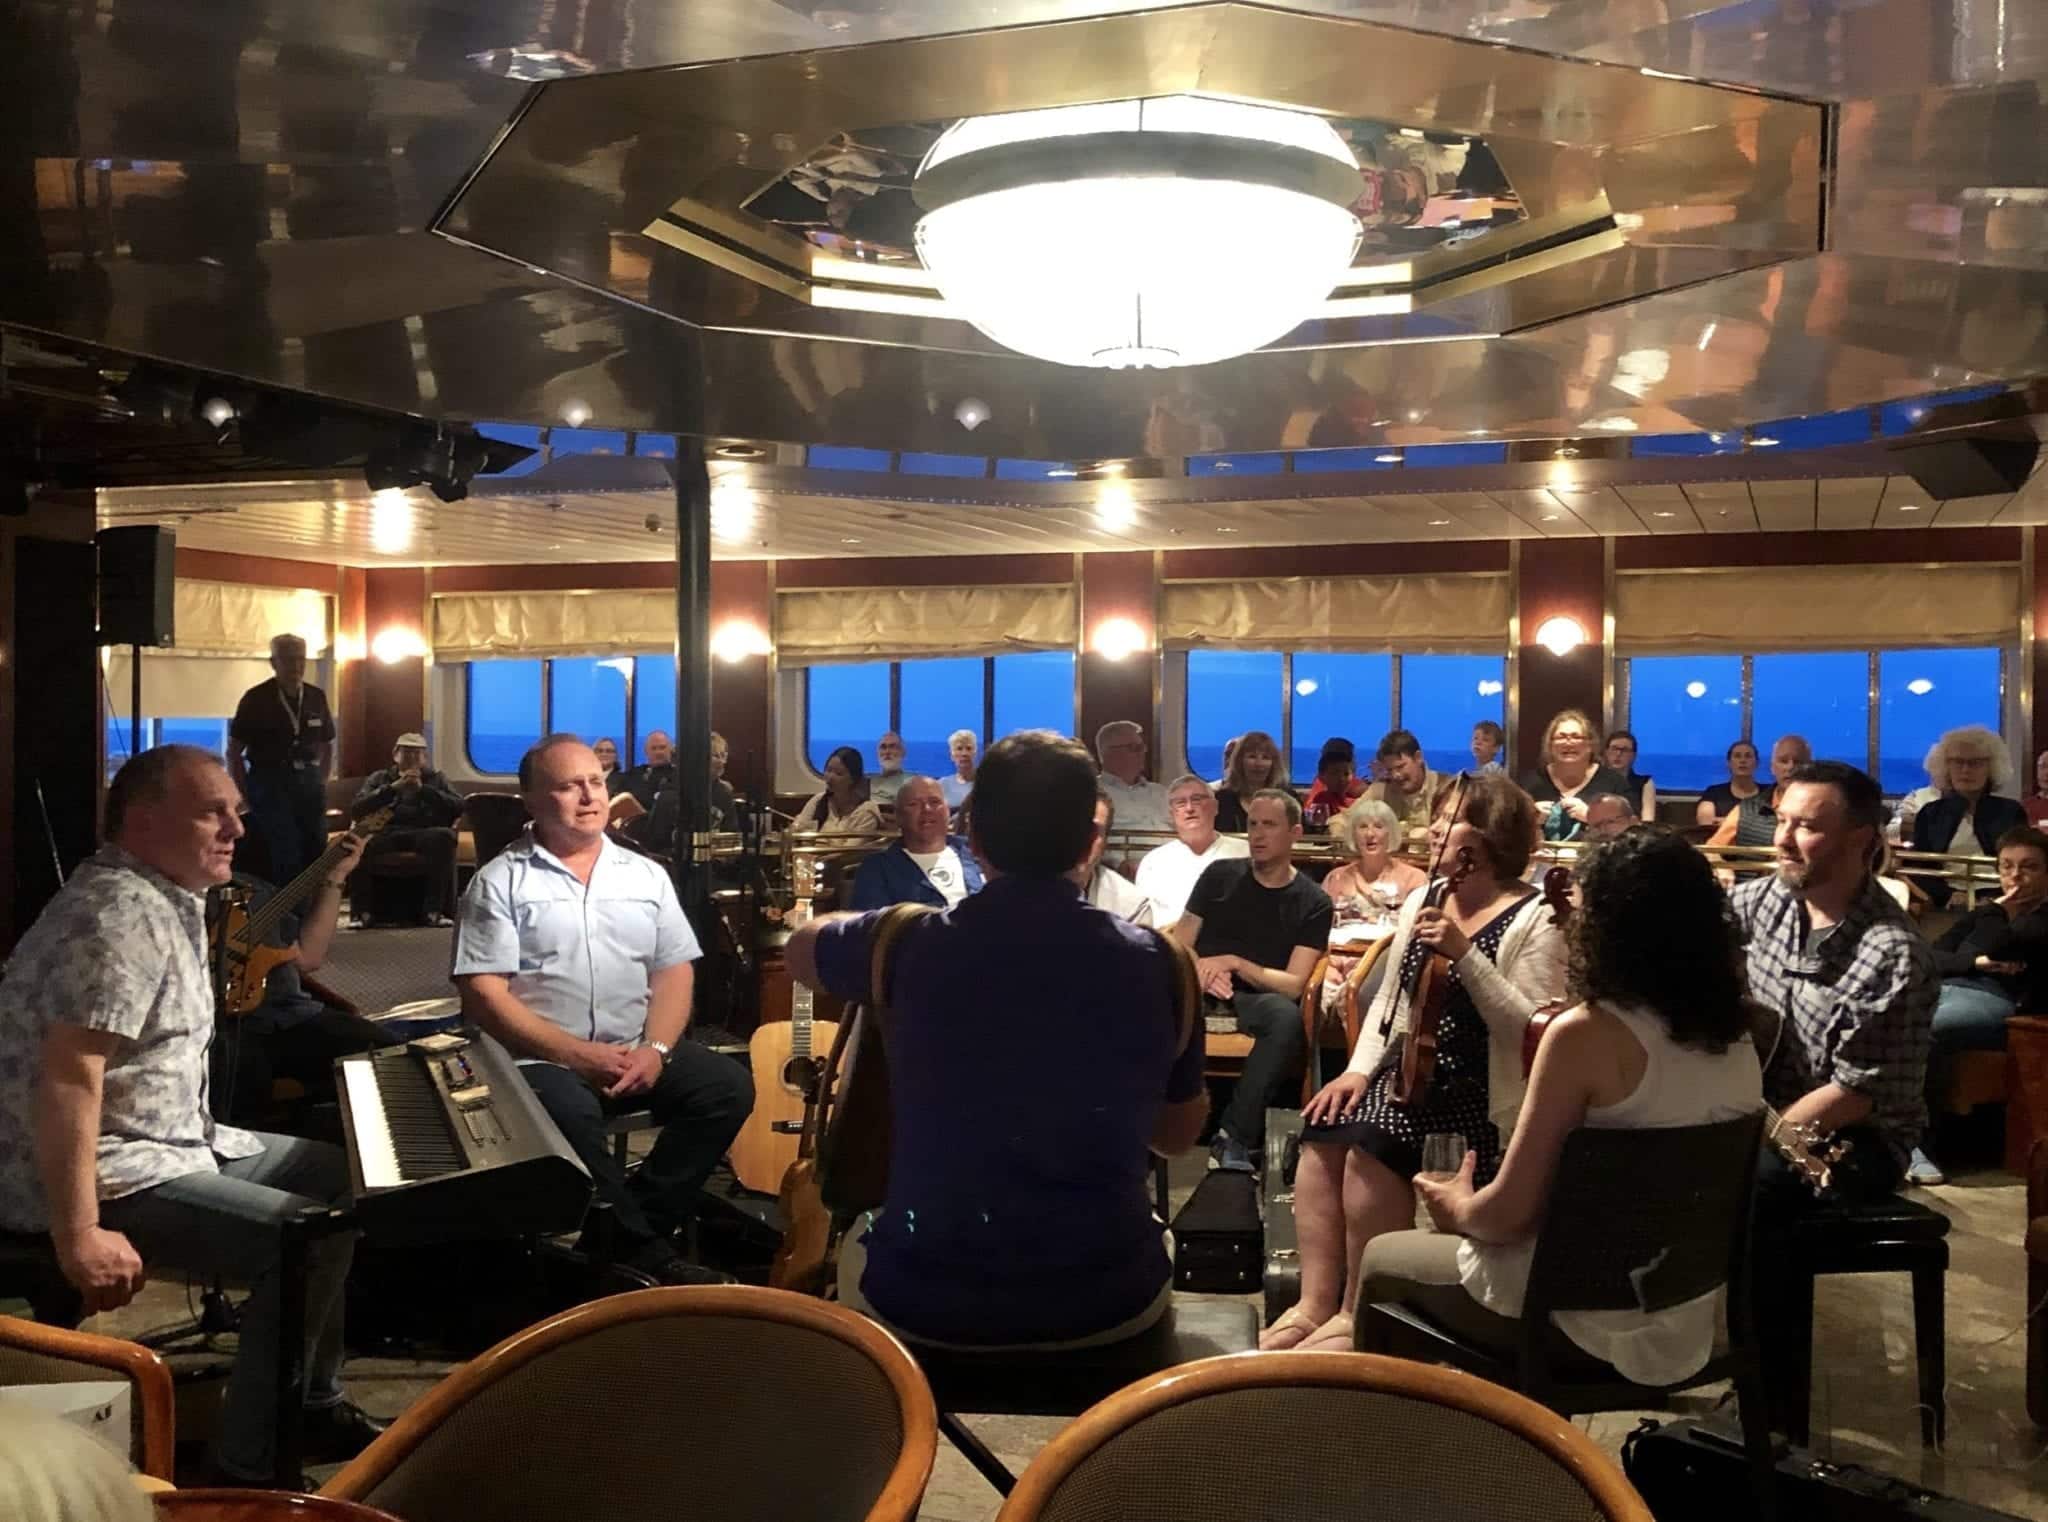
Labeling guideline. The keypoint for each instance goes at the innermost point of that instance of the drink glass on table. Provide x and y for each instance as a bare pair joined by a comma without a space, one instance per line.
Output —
1443,1154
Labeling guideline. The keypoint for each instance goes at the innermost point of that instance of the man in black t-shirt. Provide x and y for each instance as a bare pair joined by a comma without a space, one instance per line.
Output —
1257,927
280,745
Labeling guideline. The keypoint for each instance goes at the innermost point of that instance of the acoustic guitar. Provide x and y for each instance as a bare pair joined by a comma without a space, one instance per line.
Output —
786,1058
242,953
804,1256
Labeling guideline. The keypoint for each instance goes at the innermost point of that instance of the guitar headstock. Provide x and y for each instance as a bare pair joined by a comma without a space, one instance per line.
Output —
373,821
1811,1152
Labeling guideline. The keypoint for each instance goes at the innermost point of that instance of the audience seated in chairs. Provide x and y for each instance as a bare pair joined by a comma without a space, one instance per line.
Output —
1337,785
1406,785
1105,887
1368,890
924,865
1754,821
1257,928
424,810
1027,1087
1140,804
574,952
295,1033
842,807
1608,816
652,777
884,785
962,745
2036,802
1723,798
1362,1147
1993,963
1619,757
1657,1036
1488,741
1571,776
1250,762
1168,873
1971,767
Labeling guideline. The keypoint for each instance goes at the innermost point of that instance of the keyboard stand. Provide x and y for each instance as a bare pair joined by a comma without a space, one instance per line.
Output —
297,1235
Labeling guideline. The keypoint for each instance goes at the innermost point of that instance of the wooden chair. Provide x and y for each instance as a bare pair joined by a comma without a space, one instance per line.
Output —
260,1506
1223,1439
1342,1024
494,821
747,1402
1688,1191
34,1354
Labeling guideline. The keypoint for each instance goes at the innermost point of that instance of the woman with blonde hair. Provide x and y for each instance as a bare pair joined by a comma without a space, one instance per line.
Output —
1365,890
1254,762
1571,776
1972,769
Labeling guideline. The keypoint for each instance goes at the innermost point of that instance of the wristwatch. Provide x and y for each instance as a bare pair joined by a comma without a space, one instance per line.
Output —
665,1049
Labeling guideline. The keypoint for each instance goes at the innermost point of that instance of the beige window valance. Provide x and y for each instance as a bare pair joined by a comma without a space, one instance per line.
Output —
208,687
477,625
1435,612
1814,607
904,623
228,618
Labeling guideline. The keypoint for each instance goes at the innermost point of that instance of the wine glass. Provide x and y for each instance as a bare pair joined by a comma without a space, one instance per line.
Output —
1443,1154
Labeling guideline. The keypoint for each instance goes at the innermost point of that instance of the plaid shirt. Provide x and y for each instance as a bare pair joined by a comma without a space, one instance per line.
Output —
1858,1003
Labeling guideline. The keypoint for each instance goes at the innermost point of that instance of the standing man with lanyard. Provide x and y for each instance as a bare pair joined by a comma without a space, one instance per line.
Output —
280,746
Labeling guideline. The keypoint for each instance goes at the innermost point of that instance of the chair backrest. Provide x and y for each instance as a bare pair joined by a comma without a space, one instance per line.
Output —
495,820
1334,1436
1645,1219
707,1402
33,1354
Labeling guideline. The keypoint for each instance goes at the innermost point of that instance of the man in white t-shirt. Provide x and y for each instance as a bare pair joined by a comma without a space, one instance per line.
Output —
1167,874
924,866
1120,750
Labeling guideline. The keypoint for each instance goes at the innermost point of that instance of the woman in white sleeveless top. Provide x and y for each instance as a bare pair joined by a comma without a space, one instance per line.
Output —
1658,1038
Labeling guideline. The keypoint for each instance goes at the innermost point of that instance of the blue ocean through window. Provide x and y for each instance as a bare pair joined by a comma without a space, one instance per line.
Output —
1229,692
503,713
936,698
1821,695
1338,695
1921,694
1685,711
845,705
1443,696
850,705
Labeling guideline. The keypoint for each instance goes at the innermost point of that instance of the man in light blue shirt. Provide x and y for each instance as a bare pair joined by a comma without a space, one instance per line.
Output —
574,953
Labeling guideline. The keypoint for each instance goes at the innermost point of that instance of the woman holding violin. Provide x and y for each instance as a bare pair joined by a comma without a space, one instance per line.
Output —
1475,955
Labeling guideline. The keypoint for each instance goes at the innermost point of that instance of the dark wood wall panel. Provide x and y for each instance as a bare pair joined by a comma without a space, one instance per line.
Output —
1663,552
742,691
1120,584
254,570
929,571
394,694
1337,560
1559,578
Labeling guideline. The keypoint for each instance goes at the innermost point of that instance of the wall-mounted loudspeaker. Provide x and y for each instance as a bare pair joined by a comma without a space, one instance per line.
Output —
138,585
1951,468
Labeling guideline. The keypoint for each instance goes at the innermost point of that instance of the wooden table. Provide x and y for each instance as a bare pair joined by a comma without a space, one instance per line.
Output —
2026,1088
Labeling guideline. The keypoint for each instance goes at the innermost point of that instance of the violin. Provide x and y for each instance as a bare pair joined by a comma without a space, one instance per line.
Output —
1557,893
1426,1000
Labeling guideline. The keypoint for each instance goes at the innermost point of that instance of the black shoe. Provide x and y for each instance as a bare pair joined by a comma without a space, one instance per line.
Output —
335,1434
660,1261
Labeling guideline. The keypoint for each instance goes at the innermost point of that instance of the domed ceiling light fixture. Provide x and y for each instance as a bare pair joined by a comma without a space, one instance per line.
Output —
1169,231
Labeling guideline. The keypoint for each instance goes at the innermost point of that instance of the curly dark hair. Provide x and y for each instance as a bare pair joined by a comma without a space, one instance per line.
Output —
1654,928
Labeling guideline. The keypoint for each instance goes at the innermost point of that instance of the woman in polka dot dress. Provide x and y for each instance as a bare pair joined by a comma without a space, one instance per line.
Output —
1362,1146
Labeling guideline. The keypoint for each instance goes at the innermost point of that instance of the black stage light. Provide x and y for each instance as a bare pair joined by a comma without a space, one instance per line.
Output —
445,460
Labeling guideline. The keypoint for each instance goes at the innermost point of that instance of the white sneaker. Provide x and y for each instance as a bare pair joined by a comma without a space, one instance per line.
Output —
1922,1169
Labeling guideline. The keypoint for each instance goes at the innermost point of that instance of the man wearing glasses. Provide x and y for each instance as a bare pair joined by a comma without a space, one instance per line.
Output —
1139,804
1168,873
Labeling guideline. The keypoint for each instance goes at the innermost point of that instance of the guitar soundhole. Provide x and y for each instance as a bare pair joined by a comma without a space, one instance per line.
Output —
799,1074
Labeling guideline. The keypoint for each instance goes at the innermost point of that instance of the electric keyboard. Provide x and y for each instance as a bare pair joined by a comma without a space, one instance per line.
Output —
446,1142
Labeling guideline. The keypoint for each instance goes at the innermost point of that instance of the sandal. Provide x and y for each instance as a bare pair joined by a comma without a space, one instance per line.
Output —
1295,1326
1333,1336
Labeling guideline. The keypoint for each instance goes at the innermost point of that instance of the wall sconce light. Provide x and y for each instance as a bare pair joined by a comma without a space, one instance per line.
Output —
1118,638
735,641
1561,635
396,644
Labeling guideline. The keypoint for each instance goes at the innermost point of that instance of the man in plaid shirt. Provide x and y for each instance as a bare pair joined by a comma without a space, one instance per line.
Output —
1852,979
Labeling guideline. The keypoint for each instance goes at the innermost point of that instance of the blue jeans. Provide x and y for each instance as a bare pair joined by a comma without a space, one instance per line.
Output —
227,1224
1967,1018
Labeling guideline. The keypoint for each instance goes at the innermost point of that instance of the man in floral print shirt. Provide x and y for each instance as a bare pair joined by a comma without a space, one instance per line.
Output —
106,1139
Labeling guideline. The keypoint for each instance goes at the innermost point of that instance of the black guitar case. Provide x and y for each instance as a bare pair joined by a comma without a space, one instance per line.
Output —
1686,1472
1218,1243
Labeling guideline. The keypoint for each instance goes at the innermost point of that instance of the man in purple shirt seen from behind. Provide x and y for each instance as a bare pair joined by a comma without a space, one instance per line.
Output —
1034,1057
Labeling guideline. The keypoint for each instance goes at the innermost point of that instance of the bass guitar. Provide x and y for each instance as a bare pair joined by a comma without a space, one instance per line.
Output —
242,953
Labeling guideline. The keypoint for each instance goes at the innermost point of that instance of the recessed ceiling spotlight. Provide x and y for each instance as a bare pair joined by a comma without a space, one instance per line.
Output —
1763,443
576,414
1225,530
1386,459
1551,517
1909,507
739,451
1415,415
1567,452
1439,523
850,540
1663,512
971,413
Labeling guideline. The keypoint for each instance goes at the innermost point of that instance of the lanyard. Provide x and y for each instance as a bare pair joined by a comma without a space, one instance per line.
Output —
294,714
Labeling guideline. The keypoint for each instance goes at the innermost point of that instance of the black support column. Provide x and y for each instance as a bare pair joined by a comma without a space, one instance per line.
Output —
693,682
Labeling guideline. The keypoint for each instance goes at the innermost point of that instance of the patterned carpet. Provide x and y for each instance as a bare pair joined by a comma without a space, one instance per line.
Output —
378,969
